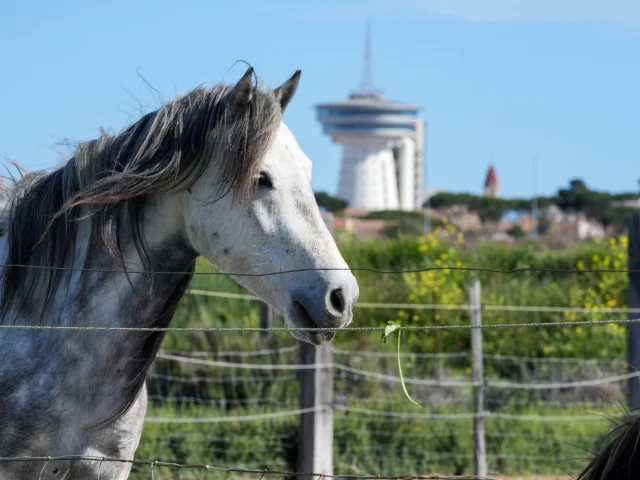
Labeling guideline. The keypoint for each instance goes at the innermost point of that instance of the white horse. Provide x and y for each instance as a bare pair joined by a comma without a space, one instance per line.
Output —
214,173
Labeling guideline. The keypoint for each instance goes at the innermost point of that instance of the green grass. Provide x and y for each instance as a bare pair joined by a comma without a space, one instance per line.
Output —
371,444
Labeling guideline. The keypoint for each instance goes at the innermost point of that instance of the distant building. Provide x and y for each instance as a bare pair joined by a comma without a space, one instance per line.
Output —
382,147
574,226
491,184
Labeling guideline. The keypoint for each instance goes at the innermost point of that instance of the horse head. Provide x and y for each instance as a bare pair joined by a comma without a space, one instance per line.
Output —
275,224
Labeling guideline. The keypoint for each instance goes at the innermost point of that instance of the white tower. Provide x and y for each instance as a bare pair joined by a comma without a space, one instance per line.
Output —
382,146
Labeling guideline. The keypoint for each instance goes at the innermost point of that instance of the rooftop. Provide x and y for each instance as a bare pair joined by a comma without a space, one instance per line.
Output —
492,178
356,103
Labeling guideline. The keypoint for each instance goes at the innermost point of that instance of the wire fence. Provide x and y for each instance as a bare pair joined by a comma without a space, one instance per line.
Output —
544,410
237,402
535,409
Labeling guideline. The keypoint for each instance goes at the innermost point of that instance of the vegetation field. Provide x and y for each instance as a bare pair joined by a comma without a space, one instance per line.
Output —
522,438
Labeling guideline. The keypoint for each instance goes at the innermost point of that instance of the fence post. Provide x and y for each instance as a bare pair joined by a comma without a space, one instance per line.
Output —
315,448
437,361
480,456
266,320
633,301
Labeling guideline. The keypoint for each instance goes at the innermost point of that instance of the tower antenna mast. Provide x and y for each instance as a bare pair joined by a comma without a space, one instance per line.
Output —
367,88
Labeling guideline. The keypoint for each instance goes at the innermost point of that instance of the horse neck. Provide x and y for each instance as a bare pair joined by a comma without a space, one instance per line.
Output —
110,365
103,293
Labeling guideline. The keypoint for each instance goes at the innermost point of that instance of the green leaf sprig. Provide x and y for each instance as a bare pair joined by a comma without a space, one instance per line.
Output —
392,327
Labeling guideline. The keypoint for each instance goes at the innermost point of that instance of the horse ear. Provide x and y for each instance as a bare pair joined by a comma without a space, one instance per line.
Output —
285,92
243,91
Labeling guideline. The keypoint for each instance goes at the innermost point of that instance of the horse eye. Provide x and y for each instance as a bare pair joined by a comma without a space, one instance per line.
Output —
264,180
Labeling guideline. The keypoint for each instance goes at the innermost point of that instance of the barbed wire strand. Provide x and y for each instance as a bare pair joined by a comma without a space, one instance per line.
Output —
193,466
318,329
436,306
329,269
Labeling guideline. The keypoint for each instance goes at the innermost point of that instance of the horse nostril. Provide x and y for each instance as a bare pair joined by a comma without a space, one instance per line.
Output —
337,300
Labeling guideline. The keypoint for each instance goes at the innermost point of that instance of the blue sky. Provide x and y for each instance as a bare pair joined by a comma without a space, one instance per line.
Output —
496,79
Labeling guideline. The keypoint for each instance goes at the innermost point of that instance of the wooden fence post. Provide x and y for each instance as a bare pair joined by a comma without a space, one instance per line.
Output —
266,320
437,360
315,448
480,456
633,302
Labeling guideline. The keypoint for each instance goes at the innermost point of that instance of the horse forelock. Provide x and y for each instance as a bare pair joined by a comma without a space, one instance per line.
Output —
111,177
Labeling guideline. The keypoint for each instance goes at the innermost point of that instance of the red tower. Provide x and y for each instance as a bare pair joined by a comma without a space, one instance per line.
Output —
491,184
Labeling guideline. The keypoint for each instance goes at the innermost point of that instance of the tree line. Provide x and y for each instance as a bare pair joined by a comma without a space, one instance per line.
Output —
577,197
605,207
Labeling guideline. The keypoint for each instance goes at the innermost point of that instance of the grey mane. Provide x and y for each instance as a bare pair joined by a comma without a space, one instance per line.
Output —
618,457
110,179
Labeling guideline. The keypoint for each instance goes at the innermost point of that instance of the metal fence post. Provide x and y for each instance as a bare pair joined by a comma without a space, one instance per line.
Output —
633,302
480,456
